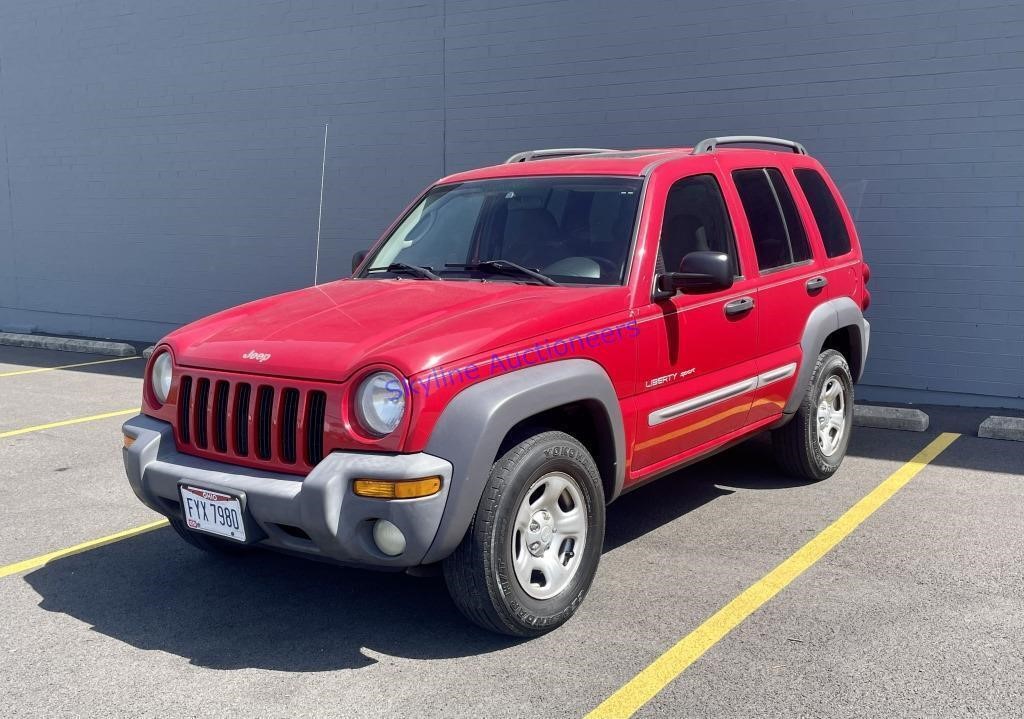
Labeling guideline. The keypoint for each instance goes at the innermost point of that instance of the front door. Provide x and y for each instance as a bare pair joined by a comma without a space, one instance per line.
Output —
697,351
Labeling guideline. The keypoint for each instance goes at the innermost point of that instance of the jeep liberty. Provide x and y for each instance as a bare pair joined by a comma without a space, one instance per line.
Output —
523,345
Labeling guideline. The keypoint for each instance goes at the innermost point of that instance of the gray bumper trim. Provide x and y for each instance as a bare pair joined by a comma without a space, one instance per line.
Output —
339,524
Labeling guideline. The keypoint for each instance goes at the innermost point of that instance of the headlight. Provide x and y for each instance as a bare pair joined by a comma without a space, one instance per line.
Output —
380,403
160,378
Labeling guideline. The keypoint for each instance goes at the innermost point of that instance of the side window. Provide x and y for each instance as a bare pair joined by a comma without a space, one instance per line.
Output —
826,212
797,235
695,220
779,237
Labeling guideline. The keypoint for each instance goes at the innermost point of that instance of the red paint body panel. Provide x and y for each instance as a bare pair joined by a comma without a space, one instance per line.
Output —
444,336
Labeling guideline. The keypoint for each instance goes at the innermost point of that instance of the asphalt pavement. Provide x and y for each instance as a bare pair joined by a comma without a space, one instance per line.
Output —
918,612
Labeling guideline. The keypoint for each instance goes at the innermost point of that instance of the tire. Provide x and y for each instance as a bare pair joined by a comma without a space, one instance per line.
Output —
508,540
799,448
213,545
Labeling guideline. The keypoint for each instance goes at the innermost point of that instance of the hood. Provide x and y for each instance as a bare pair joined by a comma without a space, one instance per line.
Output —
329,331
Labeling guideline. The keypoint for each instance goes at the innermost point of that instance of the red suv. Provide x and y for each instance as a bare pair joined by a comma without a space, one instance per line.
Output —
525,343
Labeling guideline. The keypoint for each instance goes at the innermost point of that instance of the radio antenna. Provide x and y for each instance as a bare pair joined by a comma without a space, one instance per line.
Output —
320,213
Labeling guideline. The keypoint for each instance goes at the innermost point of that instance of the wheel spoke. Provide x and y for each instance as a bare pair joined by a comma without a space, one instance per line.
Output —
836,422
522,517
525,567
553,487
555,572
571,524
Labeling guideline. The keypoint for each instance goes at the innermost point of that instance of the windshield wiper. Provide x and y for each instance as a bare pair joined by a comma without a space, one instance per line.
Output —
506,267
400,268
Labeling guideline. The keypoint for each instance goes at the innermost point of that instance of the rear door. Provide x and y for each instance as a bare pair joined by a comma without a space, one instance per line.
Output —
790,278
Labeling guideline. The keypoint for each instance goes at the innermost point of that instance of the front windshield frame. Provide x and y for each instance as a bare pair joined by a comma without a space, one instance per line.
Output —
639,187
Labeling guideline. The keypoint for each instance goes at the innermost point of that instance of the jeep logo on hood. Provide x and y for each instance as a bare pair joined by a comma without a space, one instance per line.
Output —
258,356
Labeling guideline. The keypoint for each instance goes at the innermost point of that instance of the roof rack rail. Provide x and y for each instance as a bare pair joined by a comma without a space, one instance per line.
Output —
555,152
709,145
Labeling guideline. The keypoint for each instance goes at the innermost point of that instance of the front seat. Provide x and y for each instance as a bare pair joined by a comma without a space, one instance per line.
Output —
532,238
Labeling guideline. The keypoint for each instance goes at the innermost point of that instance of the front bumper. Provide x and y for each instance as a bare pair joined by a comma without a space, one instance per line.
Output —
317,515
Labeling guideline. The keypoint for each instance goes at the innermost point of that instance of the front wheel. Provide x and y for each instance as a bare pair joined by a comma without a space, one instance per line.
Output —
532,549
812,444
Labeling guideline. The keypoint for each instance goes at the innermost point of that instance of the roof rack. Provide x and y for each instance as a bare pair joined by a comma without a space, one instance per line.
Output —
555,152
709,145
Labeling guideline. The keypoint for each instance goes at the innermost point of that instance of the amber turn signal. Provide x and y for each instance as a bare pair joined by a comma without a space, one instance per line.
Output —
128,441
397,489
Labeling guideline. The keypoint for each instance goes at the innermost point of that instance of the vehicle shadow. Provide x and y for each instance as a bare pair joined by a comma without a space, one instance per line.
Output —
274,612
264,611
270,611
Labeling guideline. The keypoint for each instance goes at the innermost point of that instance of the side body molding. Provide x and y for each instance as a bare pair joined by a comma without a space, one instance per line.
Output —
475,422
823,321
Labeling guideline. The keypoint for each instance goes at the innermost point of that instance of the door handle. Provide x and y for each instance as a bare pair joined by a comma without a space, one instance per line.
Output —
740,306
816,283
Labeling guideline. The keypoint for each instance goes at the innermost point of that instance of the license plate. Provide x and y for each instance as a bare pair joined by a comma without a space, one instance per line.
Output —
212,512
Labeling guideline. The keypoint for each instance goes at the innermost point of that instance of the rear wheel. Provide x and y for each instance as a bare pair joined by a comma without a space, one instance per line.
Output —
213,545
812,444
532,549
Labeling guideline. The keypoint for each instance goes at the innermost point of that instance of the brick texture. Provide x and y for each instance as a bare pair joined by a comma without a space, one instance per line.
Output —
161,160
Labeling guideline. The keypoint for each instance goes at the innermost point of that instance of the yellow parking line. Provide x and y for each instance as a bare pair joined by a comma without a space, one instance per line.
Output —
66,422
44,559
65,366
646,685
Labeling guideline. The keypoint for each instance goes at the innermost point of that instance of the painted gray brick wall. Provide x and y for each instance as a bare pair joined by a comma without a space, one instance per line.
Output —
163,158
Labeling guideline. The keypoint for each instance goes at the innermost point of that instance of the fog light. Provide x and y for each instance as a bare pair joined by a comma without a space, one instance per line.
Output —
388,538
397,489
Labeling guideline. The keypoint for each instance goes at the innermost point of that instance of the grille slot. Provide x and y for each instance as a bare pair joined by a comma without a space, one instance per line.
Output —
264,417
289,424
184,402
315,415
242,418
202,399
220,416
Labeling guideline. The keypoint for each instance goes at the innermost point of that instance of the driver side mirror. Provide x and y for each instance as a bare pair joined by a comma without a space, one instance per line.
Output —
357,259
698,272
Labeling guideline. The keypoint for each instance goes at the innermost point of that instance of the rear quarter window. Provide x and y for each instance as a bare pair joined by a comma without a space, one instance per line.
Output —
831,225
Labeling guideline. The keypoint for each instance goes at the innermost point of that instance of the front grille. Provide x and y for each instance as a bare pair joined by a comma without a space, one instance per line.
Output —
222,417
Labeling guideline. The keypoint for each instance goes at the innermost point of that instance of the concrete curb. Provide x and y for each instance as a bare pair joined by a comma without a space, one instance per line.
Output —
148,352
909,420
67,344
995,427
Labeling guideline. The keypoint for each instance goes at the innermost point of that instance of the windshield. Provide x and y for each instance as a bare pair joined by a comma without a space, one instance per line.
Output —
574,230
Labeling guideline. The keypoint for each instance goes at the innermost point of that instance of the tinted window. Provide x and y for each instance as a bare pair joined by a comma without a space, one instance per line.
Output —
826,212
779,237
695,220
795,227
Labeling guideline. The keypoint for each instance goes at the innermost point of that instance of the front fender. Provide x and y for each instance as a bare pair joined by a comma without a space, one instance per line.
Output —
473,425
